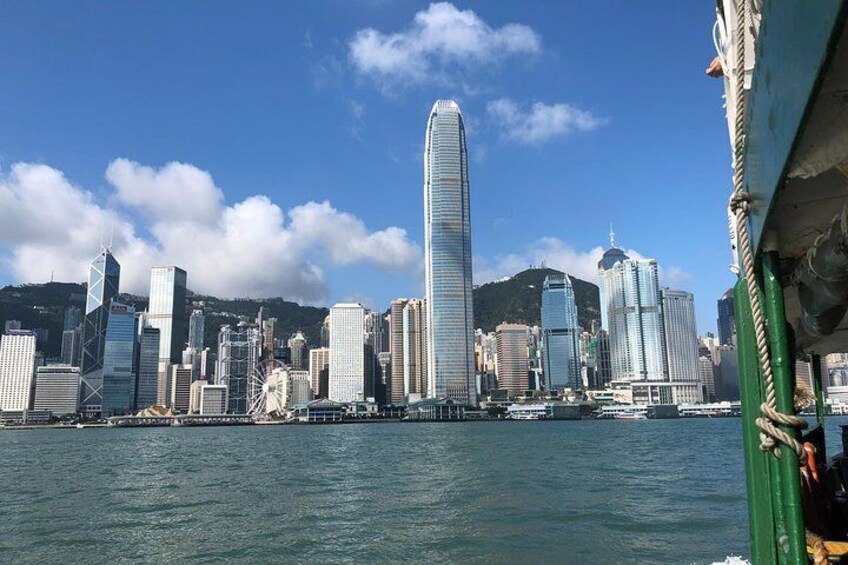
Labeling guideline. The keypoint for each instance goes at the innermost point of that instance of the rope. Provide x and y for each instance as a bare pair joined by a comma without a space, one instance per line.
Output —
816,543
740,203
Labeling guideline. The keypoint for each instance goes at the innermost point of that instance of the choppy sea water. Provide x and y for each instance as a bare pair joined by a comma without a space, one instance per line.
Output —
478,492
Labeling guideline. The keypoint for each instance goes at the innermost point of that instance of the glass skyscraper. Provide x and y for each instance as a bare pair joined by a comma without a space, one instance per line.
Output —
103,279
726,319
167,312
148,367
118,393
560,334
447,246
196,328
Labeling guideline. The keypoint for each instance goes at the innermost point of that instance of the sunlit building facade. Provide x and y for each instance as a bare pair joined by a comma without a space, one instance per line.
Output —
347,353
447,246
166,311
560,334
119,358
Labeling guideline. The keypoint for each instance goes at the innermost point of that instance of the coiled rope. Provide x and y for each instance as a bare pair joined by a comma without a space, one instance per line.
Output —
771,436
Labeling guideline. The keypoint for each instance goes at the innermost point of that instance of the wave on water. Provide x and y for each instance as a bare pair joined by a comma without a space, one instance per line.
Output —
732,560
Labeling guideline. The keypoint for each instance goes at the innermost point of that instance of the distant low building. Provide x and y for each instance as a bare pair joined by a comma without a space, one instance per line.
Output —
436,409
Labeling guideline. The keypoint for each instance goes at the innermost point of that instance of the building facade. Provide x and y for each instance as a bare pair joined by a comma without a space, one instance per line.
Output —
238,353
347,352
57,389
166,312
319,360
560,335
119,358
726,319
180,400
447,252
513,362
148,368
17,367
415,348
196,329
681,338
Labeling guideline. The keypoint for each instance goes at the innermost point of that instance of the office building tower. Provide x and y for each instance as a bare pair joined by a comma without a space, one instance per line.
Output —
72,319
603,361
71,347
297,351
167,312
196,329
634,314
119,357
319,360
180,388
415,348
148,368
447,257
57,389
207,364
12,326
560,334
325,332
103,279
238,354
611,256
513,373
384,361
726,319
299,389
195,397
213,399
726,371
681,338
17,367
705,366
347,347
394,381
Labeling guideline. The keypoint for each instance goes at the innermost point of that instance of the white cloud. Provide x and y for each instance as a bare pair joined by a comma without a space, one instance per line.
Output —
541,122
559,255
252,248
440,38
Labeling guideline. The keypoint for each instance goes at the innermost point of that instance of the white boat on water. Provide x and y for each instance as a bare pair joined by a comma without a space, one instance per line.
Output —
525,416
631,416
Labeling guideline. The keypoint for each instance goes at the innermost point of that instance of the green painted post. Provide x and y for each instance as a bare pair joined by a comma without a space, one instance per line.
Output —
783,362
760,515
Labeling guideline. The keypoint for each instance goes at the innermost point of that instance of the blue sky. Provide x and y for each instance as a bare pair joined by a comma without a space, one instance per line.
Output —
276,149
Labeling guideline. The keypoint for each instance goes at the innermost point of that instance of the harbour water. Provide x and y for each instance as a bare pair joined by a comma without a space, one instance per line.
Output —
478,492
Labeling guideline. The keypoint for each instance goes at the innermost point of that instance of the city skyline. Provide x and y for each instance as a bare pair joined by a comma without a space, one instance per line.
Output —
564,166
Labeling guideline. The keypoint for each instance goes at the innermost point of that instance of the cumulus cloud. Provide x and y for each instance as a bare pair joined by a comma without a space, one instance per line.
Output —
439,39
557,254
541,122
251,248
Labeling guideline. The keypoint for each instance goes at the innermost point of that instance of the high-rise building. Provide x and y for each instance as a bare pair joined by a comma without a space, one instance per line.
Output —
319,360
394,381
167,312
513,373
611,256
603,362
180,400
73,318
325,332
705,365
560,334
148,368
103,279
213,399
238,354
196,328
347,347
57,389
447,253
12,326
119,361
71,347
300,389
634,316
681,339
415,348
17,367
726,319
297,349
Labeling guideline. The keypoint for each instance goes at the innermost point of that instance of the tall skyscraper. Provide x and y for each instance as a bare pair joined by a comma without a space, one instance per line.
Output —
415,348
167,312
447,252
705,366
103,279
238,353
726,319
634,314
148,367
611,256
17,367
196,327
560,334
319,360
119,357
73,318
71,347
394,381
297,348
681,338
347,352
513,362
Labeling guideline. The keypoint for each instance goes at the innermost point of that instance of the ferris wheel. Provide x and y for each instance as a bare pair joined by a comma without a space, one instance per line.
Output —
266,389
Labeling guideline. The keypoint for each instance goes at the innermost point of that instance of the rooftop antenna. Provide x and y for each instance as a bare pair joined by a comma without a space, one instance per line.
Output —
612,236
111,234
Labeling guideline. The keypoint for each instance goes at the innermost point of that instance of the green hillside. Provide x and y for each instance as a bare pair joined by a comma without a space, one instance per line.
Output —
519,300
